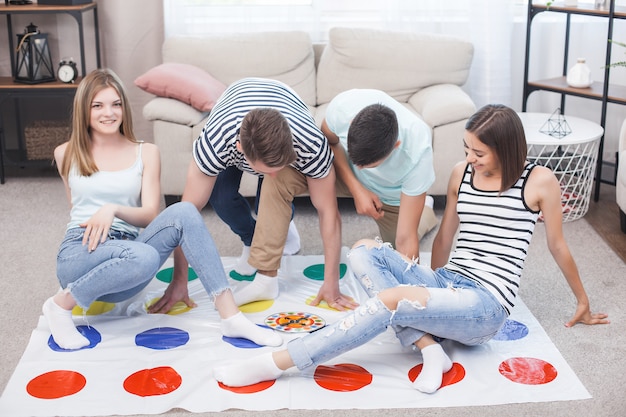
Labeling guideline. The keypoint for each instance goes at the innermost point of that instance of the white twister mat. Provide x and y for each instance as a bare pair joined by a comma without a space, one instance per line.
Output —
148,364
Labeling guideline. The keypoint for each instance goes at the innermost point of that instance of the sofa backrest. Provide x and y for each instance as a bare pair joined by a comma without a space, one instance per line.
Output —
283,56
399,63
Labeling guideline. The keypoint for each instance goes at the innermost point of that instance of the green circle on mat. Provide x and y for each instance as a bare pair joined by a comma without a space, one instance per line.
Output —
166,274
317,271
238,277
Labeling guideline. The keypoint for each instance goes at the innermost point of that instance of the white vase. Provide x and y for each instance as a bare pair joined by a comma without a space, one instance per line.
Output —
579,76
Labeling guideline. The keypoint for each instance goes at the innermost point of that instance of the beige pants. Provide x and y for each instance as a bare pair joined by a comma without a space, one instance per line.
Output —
274,215
388,224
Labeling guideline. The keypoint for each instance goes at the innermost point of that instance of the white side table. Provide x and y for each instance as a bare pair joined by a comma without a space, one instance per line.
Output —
572,158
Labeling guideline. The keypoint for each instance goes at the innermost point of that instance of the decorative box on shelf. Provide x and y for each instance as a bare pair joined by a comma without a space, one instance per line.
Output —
43,136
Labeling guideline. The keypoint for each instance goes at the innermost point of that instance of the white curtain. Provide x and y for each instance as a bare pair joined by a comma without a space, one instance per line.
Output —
487,23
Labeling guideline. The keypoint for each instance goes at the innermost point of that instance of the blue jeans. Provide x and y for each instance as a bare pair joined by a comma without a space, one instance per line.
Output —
122,266
232,207
458,309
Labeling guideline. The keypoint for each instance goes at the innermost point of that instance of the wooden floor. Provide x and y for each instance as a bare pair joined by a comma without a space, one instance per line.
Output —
603,216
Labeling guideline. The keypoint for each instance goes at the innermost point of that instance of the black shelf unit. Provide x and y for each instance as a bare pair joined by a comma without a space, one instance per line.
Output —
602,91
10,90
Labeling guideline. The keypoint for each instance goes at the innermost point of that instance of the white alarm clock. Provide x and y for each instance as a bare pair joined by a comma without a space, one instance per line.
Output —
67,71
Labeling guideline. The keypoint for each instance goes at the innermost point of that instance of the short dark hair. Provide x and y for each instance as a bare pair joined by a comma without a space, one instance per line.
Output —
265,136
372,135
500,128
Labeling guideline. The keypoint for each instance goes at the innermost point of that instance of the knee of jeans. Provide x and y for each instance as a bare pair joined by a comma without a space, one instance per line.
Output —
361,252
365,244
186,212
186,208
147,258
416,297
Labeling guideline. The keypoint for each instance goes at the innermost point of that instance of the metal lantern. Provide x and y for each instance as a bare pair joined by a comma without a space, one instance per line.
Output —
33,63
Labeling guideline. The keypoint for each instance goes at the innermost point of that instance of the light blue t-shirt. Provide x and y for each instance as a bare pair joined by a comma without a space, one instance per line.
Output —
409,168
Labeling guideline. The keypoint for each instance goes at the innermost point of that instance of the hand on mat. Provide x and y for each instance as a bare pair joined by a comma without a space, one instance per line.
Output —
585,316
335,299
97,227
175,292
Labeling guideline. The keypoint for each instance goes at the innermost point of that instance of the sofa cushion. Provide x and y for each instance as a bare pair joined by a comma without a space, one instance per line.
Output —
184,82
283,56
399,63
173,111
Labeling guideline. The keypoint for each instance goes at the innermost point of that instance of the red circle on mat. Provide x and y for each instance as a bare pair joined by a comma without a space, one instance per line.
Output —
248,389
342,377
454,375
56,384
155,381
528,371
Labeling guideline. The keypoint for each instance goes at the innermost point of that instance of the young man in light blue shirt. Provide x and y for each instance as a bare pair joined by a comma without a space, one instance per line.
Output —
383,159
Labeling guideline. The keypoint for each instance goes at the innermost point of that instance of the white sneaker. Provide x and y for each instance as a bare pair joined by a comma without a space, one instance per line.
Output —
430,201
292,245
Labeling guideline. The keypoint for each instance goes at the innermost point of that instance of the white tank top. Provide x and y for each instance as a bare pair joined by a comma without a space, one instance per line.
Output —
117,187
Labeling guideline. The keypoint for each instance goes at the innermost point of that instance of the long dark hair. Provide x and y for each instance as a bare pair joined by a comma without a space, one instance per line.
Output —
500,128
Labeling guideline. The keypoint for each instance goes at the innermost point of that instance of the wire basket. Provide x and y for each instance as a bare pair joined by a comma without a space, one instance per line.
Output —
43,136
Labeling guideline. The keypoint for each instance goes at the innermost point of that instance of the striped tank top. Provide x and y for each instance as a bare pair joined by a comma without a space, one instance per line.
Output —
495,230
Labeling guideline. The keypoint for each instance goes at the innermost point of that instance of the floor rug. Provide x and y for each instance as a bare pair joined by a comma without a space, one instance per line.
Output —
148,364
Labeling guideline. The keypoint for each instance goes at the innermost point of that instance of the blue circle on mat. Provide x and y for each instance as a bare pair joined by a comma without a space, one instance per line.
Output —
240,342
243,343
162,338
89,332
512,330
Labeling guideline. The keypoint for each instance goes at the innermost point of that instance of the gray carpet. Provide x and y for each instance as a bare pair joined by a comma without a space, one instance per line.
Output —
34,211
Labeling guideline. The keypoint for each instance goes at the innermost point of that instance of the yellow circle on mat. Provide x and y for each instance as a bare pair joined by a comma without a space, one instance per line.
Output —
96,308
256,306
178,308
322,304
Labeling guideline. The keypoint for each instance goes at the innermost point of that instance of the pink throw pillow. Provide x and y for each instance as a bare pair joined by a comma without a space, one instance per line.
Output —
183,82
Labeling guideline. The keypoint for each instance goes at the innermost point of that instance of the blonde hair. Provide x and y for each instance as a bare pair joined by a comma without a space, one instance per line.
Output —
78,151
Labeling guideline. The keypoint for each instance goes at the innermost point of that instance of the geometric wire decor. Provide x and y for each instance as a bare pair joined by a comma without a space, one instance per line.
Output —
556,125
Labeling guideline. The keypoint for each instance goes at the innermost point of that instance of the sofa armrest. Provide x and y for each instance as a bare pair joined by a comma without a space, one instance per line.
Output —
174,111
442,104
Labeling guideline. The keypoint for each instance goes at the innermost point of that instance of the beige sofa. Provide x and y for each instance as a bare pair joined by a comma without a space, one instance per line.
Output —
425,72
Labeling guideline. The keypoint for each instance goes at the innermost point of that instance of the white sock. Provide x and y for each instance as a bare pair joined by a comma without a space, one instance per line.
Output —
262,288
239,326
436,363
248,372
243,267
62,327
292,245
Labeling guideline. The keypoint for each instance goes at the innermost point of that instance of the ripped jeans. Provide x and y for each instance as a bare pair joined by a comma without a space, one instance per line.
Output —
122,266
457,309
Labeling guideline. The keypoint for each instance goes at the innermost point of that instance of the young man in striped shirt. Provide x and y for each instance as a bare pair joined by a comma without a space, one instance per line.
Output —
261,126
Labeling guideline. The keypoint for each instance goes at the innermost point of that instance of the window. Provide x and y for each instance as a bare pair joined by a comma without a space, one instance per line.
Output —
200,17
